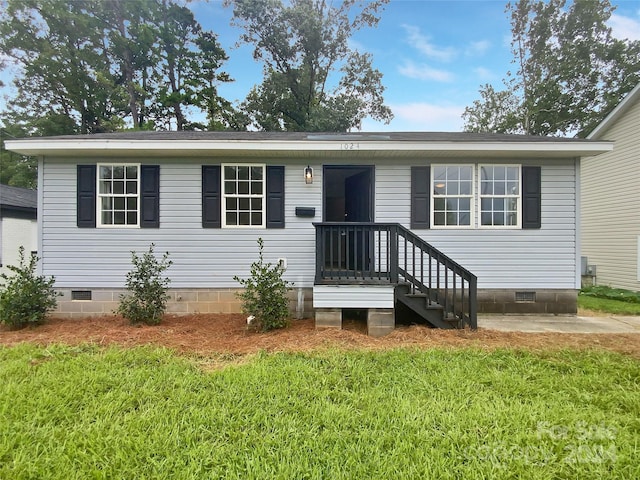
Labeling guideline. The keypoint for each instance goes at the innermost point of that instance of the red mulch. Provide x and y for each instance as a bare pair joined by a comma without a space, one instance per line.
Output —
227,334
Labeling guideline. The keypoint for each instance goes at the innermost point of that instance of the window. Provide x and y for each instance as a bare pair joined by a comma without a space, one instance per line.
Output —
499,196
243,195
118,195
452,188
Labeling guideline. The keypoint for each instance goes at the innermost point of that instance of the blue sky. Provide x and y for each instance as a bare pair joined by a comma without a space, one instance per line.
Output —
433,54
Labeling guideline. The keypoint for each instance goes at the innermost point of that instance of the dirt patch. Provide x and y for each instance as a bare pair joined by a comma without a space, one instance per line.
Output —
228,335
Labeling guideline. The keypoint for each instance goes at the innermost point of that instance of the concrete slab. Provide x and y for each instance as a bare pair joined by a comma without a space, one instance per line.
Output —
560,323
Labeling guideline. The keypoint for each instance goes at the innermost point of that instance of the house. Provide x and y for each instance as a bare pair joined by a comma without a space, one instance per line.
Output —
610,223
18,224
441,225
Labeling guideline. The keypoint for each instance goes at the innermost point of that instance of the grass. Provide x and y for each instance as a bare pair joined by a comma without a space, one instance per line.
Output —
610,300
84,412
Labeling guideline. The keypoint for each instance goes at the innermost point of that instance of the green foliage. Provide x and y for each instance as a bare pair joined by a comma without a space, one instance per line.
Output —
16,170
80,412
619,294
147,298
25,298
265,294
570,72
304,46
610,300
96,66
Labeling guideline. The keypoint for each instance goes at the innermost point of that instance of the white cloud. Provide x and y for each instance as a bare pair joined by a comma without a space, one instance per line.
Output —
424,72
477,48
484,74
421,43
624,27
420,117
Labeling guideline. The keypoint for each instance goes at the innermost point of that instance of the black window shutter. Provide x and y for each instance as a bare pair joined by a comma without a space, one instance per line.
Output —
420,196
275,197
86,196
531,197
150,196
211,196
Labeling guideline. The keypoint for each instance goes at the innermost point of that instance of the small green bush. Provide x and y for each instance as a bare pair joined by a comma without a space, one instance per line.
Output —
600,291
265,294
147,298
25,298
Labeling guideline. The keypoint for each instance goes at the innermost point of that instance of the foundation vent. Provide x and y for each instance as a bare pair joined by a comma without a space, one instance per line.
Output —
80,294
525,297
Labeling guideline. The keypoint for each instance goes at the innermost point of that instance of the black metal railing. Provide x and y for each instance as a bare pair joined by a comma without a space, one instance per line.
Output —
366,253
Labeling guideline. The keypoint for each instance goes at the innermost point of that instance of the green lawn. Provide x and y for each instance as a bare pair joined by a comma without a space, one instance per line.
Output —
607,305
144,413
610,300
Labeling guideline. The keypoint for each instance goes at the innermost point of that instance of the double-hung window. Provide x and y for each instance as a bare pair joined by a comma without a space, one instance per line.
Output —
243,195
500,197
483,196
118,195
452,187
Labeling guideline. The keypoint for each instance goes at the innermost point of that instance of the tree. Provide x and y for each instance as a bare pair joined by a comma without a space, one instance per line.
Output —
302,43
570,71
92,66
16,170
64,81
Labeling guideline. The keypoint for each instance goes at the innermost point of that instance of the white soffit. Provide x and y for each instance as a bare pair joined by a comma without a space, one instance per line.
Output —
198,148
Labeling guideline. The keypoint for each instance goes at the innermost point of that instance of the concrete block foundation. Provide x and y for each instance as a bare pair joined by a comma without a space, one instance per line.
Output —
380,321
182,301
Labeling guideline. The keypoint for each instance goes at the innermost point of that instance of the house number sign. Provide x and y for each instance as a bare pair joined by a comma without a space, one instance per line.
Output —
349,146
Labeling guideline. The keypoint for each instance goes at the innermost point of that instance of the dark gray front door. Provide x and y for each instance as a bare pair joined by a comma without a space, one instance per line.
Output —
348,197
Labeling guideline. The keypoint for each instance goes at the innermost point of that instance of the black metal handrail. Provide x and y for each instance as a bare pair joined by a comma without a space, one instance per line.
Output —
366,253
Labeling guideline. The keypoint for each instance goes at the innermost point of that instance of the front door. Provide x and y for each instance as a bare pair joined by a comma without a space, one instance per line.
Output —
348,197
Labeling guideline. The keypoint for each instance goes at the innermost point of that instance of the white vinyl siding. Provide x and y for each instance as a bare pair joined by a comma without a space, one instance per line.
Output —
203,257
209,258
14,233
610,205
501,258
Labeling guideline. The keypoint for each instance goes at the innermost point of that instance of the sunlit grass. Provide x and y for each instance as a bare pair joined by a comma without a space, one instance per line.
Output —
607,305
85,412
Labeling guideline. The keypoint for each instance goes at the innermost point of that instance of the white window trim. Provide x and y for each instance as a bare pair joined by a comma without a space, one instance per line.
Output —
263,196
518,225
472,207
99,196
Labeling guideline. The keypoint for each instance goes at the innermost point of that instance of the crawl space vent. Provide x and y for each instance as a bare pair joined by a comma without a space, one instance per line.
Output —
526,297
80,294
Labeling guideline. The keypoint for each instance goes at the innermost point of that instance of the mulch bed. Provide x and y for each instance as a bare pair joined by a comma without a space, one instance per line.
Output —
227,334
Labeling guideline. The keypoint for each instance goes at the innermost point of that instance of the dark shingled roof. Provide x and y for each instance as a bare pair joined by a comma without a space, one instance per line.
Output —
455,137
19,198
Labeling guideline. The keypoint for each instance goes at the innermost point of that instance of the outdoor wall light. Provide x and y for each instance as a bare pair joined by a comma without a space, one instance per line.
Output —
308,175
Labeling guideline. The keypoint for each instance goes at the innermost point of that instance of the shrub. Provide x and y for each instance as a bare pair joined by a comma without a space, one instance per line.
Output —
265,294
147,298
25,298
599,291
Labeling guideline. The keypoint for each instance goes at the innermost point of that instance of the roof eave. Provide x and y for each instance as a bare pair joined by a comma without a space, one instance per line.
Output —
203,147
616,113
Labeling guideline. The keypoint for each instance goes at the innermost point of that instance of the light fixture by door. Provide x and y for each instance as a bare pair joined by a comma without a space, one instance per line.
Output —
308,175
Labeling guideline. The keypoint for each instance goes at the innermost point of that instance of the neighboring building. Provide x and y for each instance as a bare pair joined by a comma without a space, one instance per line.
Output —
18,224
500,206
610,192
